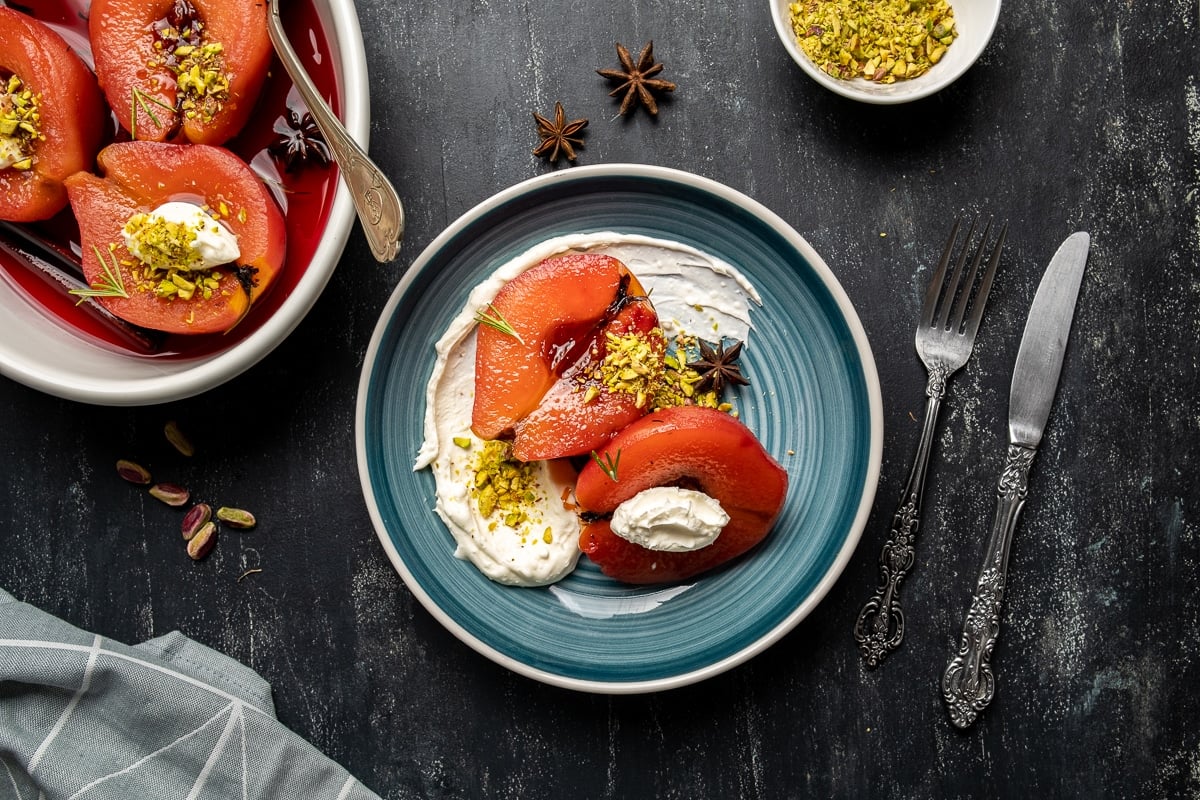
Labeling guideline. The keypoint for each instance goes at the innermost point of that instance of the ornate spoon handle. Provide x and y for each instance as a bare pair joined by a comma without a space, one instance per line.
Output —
375,199
968,684
879,628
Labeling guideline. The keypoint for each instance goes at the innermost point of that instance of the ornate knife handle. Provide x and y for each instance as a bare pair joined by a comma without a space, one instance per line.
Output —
879,628
375,199
968,684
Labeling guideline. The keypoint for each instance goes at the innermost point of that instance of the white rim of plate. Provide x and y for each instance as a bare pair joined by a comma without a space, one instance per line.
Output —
347,52
870,376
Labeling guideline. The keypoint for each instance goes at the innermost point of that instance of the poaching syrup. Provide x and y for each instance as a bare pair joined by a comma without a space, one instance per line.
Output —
305,196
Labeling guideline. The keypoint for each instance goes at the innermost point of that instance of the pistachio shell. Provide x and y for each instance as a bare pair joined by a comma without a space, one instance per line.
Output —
202,543
178,439
197,517
133,472
170,493
236,517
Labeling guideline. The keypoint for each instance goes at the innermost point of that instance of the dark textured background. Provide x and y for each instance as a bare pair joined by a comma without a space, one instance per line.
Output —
1079,116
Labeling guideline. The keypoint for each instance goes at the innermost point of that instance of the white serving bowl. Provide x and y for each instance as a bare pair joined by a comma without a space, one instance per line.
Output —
40,351
975,19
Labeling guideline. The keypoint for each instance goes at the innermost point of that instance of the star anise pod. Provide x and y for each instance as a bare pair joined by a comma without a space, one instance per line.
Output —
559,136
637,80
299,140
718,367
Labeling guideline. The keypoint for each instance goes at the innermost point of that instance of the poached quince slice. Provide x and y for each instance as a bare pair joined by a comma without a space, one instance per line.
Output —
537,380
52,118
691,447
141,176
181,69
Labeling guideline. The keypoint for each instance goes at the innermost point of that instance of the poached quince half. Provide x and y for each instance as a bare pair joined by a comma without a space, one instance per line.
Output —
139,177
692,447
52,118
543,375
181,70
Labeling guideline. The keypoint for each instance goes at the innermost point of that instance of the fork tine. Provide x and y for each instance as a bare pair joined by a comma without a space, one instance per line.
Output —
934,290
968,287
986,286
955,283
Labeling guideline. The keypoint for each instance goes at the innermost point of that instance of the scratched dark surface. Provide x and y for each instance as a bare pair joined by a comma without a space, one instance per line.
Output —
1079,116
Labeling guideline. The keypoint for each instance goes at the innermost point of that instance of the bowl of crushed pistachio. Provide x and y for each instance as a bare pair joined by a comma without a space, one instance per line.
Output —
885,51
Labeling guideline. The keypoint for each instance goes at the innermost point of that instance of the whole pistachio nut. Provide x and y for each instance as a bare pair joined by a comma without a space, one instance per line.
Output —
236,517
133,472
203,542
170,493
196,518
178,439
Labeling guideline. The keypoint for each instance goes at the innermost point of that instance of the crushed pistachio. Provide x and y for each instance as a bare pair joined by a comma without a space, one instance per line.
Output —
879,40
504,487
164,243
20,124
679,383
199,65
632,364
167,262
202,81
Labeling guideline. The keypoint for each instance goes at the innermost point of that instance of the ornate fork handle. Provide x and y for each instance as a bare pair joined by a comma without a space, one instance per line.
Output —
879,629
375,199
968,684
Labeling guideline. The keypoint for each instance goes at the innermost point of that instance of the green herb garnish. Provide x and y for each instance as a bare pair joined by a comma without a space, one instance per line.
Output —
111,284
608,464
493,319
139,101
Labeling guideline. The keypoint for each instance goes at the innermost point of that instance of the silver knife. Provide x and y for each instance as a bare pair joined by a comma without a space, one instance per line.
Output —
968,684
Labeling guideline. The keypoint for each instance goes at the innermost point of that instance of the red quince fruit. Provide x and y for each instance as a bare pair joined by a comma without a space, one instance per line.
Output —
139,177
691,447
181,69
532,383
45,85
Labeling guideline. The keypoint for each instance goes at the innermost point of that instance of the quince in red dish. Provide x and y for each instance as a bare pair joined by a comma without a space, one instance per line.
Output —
164,285
52,118
690,447
181,69
559,356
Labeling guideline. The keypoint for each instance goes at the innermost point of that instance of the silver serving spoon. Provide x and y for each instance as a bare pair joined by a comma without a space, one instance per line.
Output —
375,199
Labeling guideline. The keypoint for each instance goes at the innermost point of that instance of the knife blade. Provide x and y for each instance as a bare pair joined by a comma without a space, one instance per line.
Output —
969,684
1039,360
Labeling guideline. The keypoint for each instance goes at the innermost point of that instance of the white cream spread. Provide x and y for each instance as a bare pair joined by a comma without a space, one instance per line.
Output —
211,243
692,293
520,554
670,519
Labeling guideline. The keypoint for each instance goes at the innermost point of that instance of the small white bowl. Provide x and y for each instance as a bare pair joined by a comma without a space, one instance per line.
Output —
975,20
42,352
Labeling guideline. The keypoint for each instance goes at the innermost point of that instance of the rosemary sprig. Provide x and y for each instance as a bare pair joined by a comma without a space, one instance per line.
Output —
493,319
139,101
608,465
111,284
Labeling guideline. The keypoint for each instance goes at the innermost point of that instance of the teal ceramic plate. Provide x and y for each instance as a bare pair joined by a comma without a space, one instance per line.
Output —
814,403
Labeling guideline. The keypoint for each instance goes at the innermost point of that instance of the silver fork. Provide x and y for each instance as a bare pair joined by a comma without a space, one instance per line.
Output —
945,338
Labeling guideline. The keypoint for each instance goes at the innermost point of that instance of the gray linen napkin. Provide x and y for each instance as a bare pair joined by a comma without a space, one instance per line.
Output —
85,717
